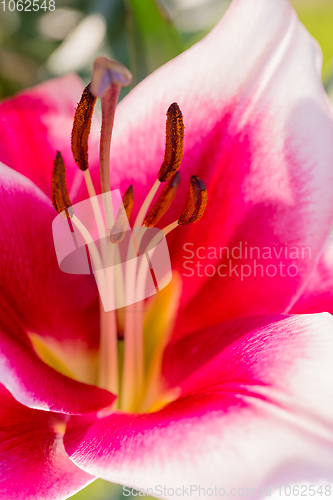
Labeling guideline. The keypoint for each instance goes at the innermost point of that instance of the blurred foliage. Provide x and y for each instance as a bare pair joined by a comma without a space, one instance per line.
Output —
317,16
102,490
143,34
152,38
139,33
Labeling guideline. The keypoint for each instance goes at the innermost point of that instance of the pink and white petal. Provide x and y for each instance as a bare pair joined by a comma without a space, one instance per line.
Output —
36,297
282,353
317,295
34,291
258,413
258,130
35,124
33,462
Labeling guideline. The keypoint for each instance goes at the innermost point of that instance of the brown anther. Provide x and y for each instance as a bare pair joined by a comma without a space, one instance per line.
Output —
128,201
173,143
196,203
163,203
81,128
118,231
60,198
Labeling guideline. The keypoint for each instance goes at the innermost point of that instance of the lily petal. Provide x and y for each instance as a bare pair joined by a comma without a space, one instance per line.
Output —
258,131
37,385
236,407
35,296
317,295
42,298
33,462
35,124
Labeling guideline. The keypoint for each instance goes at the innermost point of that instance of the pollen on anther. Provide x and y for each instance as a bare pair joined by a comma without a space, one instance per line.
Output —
60,197
174,142
81,128
196,202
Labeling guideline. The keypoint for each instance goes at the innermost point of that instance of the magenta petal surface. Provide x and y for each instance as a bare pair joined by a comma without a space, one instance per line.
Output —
35,124
258,130
33,462
36,385
317,295
33,290
241,399
35,296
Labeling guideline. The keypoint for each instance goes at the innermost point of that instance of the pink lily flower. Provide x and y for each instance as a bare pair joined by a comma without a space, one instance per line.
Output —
237,387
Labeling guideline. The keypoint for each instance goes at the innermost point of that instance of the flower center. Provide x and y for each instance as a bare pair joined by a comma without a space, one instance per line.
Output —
134,333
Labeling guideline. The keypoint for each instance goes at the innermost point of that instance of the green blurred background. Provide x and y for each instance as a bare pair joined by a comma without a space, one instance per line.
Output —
143,34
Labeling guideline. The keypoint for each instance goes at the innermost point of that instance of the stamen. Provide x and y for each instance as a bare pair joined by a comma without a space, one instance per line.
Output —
107,80
163,203
89,184
63,206
174,139
108,375
195,206
94,253
79,142
132,372
128,201
170,227
145,205
60,198
196,203
108,355
81,128
118,232
174,142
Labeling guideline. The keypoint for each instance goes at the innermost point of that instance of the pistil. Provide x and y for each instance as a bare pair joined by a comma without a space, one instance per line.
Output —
108,77
107,80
